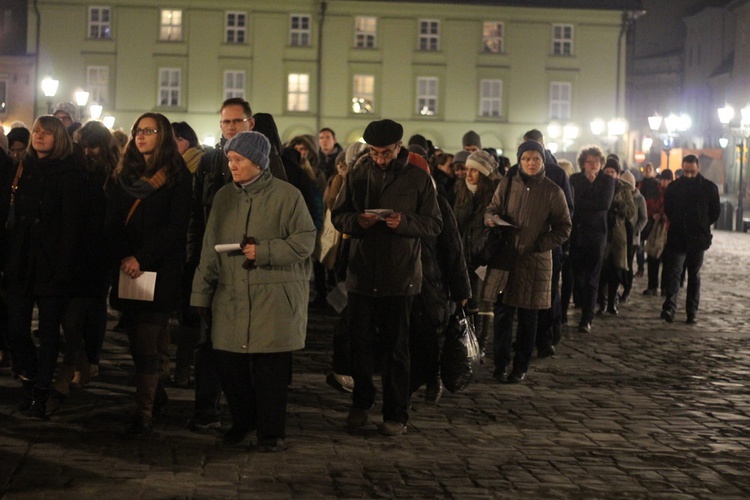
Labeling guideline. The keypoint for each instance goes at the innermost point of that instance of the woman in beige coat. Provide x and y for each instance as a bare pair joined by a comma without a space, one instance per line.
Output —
537,207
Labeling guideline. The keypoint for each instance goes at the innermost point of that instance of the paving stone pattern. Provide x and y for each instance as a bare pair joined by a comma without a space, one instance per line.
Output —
636,409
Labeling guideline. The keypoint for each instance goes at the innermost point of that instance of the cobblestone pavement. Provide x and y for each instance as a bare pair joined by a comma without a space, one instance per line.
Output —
636,409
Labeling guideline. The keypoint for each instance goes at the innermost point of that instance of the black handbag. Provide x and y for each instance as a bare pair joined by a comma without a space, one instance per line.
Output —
460,352
495,246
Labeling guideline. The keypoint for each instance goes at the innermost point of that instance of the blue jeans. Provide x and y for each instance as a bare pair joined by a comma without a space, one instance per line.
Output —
674,262
525,337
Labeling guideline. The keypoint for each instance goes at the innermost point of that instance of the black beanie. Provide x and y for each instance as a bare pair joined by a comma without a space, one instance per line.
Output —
383,133
19,134
613,164
530,146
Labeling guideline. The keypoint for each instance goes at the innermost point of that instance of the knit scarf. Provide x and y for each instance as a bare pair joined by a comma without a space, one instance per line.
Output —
141,188
471,187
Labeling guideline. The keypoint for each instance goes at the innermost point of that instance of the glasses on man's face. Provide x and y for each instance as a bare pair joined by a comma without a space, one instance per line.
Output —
386,155
235,122
145,131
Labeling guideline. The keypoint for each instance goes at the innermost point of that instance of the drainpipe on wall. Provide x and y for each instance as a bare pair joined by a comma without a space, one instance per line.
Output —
36,56
319,76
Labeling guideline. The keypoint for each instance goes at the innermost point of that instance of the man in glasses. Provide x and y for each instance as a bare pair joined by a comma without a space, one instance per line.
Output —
386,205
212,174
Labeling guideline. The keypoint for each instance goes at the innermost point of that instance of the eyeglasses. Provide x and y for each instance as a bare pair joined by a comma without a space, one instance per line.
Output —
236,121
386,155
145,131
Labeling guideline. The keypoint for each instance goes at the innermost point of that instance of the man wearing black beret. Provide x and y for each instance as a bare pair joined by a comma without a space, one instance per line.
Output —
386,205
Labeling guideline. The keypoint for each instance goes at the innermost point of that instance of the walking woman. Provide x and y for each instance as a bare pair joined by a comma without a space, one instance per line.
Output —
85,321
146,225
256,296
44,227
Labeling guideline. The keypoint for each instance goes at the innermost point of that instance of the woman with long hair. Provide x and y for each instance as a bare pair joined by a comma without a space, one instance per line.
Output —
85,320
147,218
44,234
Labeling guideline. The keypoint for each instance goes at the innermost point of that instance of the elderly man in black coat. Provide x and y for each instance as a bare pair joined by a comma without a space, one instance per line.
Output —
692,205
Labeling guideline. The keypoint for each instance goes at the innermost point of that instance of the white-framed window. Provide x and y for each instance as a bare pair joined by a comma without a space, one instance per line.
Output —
97,83
300,30
3,96
365,28
170,86
562,39
170,27
363,94
560,94
298,92
234,84
429,34
493,37
235,27
491,98
100,23
427,95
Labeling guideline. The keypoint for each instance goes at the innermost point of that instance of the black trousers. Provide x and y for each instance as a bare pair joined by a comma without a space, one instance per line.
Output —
256,387
383,321
425,342
674,263
207,381
587,266
548,317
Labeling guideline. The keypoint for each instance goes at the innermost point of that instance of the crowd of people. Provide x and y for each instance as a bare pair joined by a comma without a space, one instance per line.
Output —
226,247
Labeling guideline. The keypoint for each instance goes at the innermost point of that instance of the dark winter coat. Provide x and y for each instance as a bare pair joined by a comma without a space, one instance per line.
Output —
470,219
155,236
592,201
45,231
327,163
538,210
383,261
444,273
691,205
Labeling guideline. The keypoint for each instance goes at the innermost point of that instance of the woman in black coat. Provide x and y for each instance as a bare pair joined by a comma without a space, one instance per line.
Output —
43,239
146,225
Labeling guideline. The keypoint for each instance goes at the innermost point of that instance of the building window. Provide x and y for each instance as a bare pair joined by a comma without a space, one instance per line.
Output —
429,34
364,32
235,27
559,100
3,96
234,84
97,83
100,23
491,98
170,29
300,31
562,39
363,94
427,95
298,92
492,38
170,86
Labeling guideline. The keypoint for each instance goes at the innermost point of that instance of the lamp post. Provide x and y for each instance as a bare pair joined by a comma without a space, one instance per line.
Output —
674,125
49,87
726,114
614,128
95,110
82,98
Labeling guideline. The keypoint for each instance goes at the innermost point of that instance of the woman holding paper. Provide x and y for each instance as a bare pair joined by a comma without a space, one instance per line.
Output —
146,223
256,296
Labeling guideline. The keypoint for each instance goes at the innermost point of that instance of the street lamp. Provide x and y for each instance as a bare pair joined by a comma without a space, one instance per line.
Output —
674,125
49,87
614,128
108,121
726,114
82,98
95,110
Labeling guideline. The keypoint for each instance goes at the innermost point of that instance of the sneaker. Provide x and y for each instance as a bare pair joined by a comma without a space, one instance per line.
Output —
691,319
391,429
356,419
650,291
342,383
202,423
667,316
584,327
545,352
269,446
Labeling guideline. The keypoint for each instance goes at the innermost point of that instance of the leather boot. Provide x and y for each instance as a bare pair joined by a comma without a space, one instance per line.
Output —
484,325
146,386
38,408
27,395
64,377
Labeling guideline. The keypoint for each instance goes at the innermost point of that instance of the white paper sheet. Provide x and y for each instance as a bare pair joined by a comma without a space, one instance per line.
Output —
481,271
141,288
227,247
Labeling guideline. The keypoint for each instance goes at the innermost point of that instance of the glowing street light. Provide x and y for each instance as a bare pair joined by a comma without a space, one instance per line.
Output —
49,87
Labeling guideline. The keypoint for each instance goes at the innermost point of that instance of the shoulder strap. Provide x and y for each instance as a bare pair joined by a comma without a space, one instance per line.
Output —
14,186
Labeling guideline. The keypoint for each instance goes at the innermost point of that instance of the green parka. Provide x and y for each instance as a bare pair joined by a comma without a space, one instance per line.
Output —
263,309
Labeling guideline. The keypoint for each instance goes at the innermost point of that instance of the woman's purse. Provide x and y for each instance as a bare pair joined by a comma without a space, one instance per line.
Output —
495,246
